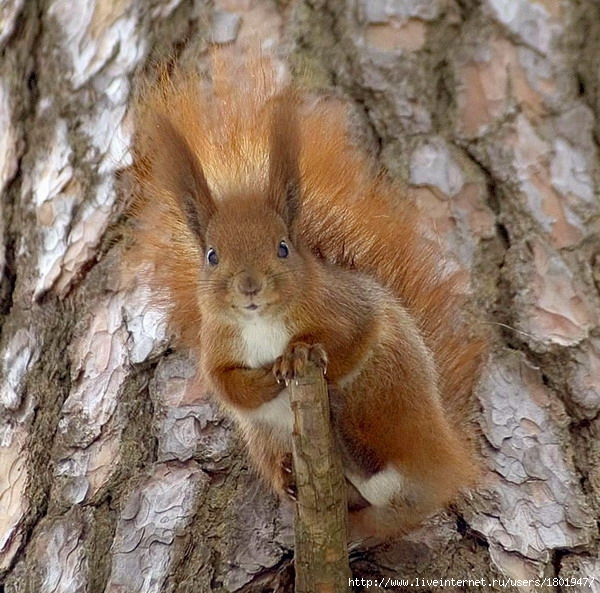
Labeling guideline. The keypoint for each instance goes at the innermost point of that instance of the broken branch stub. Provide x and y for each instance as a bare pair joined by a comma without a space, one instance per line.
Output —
321,552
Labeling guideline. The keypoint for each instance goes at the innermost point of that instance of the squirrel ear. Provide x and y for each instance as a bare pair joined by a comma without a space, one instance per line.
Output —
284,157
176,169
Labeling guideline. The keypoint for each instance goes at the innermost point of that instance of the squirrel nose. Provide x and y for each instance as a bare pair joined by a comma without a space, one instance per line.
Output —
249,285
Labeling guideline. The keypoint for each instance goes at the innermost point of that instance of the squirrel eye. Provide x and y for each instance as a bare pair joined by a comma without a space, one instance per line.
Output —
283,251
211,257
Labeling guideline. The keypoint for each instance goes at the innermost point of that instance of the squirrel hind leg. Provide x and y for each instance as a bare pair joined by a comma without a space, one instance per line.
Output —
373,524
396,505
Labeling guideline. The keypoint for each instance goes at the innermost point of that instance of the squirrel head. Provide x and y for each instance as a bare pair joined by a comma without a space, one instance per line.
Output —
251,264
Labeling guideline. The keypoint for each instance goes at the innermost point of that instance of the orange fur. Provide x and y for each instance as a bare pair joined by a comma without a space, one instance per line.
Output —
247,140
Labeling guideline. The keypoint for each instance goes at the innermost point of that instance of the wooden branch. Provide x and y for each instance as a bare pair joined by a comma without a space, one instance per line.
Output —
321,552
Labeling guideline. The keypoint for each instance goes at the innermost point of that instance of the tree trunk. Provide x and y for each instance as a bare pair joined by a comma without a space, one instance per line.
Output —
113,476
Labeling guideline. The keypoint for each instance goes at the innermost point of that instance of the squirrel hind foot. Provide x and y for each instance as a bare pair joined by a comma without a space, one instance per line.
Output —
375,524
392,505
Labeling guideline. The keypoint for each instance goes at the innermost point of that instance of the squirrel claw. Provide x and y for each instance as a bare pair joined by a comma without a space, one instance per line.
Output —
295,359
289,485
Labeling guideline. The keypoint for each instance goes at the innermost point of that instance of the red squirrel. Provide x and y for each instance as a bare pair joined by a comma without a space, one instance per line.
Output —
274,241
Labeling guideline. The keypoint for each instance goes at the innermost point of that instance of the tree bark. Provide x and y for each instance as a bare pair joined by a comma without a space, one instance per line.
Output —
114,475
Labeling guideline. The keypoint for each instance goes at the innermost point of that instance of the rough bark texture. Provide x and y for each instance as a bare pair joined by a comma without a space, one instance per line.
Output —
112,477
321,522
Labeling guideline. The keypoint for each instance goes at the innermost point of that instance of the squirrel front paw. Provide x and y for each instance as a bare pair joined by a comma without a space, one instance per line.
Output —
296,357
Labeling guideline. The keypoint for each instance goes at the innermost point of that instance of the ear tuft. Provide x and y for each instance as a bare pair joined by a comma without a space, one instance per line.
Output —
284,165
175,169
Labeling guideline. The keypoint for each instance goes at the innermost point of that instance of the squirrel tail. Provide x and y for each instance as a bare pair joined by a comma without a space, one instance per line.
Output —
357,217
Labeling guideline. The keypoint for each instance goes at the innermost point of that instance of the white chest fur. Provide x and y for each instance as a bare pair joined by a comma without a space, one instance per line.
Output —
263,340
275,414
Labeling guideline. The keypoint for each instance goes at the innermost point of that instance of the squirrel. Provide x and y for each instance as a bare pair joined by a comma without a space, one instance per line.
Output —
273,241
